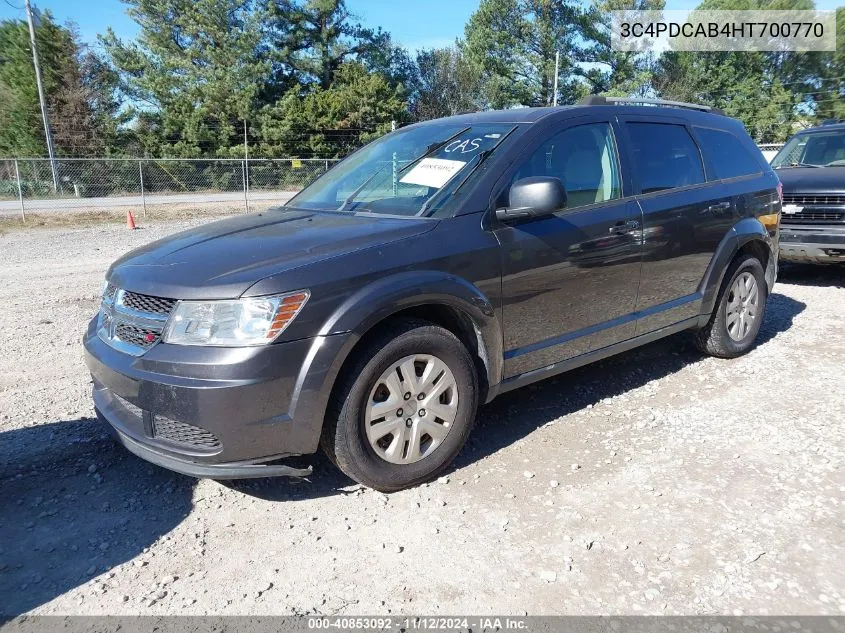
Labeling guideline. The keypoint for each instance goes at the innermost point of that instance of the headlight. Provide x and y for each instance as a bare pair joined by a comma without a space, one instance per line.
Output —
253,321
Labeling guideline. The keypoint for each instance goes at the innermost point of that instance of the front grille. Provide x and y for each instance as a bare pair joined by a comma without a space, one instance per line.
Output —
147,303
813,216
134,335
812,199
108,295
183,433
814,209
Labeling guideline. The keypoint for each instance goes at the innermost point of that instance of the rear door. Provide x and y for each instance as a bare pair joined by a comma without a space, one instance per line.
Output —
684,219
570,279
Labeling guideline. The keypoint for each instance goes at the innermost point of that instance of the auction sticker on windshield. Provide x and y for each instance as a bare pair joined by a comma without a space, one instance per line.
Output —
432,172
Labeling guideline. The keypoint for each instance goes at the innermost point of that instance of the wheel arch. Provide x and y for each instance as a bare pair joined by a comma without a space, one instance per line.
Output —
746,236
437,297
441,298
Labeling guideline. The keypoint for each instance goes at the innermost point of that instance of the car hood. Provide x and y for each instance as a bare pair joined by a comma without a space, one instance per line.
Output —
812,180
220,260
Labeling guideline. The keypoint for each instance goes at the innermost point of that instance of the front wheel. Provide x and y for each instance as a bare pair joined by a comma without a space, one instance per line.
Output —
404,408
740,308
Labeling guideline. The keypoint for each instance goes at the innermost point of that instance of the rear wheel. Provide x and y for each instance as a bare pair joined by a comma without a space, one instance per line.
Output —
739,311
404,408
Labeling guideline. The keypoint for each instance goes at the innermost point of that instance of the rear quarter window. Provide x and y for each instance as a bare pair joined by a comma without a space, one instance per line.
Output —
728,156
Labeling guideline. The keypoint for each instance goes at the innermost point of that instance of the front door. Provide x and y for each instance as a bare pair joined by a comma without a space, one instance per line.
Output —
569,280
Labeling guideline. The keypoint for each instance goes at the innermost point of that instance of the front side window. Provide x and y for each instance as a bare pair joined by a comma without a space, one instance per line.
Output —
665,156
729,157
584,159
816,149
409,172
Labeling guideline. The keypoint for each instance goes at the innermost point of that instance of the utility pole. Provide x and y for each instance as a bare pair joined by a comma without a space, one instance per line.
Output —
246,145
47,133
557,69
246,170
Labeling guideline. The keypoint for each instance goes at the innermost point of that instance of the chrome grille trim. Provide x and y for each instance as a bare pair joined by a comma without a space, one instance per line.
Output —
814,199
813,216
131,322
146,304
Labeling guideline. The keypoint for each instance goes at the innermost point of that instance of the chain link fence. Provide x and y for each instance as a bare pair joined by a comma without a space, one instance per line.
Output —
146,186
770,150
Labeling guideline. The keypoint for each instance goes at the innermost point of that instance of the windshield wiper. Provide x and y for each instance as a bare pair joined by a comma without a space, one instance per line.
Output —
797,164
478,158
428,152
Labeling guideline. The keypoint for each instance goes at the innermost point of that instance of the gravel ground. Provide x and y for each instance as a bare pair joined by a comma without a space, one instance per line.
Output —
658,482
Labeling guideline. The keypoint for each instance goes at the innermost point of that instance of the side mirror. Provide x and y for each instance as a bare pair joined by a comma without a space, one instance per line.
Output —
533,197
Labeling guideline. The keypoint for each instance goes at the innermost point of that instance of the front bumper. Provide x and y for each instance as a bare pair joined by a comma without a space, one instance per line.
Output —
217,412
812,243
240,470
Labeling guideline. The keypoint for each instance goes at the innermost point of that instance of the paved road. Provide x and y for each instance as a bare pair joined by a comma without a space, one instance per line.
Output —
41,205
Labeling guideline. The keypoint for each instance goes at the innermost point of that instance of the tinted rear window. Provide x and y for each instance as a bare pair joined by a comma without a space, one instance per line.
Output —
665,155
729,157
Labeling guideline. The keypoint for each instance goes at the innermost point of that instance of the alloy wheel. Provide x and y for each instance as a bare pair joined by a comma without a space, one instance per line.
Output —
742,308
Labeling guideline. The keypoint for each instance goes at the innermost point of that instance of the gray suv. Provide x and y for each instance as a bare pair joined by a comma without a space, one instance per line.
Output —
430,271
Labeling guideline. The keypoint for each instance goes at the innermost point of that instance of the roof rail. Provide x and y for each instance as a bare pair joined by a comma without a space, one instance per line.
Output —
832,121
599,100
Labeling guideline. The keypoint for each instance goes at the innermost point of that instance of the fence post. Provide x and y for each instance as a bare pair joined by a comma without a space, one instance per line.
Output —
327,164
143,198
246,186
20,190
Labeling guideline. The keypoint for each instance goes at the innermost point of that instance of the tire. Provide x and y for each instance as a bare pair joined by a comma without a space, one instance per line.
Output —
369,386
720,337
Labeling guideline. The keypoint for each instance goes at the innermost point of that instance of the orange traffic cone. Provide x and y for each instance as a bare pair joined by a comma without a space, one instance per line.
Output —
130,220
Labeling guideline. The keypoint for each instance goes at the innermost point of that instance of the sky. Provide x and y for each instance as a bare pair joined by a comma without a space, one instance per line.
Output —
431,23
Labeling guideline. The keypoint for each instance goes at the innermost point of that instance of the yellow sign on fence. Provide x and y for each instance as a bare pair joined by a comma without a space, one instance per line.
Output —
296,163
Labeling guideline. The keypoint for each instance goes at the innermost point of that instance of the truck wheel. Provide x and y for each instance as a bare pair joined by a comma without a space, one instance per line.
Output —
740,308
404,409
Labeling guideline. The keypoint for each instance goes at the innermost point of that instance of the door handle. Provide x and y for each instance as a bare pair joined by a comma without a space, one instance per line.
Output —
719,207
624,227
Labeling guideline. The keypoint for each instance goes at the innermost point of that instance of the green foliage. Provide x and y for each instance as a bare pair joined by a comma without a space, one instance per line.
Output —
194,73
75,99
514,42
357,107
315,37
827,88
447,84
310,81
767,91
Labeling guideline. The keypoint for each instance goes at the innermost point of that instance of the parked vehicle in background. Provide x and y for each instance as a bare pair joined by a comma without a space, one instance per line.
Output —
811,167
430,271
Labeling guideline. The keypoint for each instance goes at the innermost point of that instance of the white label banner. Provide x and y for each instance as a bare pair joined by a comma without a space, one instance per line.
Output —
432,172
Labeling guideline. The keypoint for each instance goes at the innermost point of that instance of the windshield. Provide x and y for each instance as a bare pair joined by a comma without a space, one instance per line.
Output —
819,149
409,172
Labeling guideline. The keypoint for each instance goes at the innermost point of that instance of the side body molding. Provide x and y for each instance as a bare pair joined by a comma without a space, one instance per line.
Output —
374,303
743,232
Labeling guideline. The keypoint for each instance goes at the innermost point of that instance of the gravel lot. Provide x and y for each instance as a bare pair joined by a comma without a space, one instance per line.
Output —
657,482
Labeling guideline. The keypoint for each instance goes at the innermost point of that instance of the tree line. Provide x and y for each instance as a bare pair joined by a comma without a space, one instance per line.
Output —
305,78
